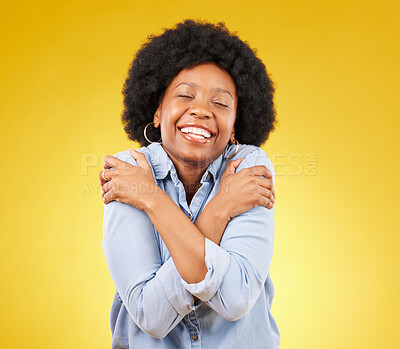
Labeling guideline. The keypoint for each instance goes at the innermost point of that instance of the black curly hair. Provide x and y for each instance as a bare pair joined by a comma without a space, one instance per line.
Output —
188,44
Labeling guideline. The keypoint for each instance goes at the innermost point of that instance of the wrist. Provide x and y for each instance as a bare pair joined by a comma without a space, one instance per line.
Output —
153,199
220,207
213,220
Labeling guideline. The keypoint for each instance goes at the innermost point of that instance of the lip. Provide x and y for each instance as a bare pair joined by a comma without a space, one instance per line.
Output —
198,126
196,140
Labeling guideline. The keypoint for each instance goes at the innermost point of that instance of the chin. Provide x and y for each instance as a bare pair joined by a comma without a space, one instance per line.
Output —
187,155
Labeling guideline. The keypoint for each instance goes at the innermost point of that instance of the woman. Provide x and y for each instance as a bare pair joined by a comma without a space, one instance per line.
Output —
189,219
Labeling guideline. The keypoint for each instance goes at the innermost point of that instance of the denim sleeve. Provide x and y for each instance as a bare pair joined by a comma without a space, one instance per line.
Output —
151,292
239,266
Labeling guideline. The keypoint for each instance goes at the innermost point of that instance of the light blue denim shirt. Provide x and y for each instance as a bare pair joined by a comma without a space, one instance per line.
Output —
153,306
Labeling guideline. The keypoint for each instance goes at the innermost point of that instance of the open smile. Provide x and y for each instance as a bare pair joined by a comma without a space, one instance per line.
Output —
196,135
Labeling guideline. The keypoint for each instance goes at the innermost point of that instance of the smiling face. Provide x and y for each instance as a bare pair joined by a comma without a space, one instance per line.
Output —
197,114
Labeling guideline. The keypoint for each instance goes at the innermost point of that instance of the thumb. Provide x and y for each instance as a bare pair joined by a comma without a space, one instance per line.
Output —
232,166
140,158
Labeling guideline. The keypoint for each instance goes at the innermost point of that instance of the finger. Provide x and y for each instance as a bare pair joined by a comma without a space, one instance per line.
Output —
266,203
101,178
112,161
106,175
267,194
231,166
108,196
265,173
261,170
273,191
266,183
140,159
106,188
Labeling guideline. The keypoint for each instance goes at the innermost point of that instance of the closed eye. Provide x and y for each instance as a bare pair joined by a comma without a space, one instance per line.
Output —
185,96
221,104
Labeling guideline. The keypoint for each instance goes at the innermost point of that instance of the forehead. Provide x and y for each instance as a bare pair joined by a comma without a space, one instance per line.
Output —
206,75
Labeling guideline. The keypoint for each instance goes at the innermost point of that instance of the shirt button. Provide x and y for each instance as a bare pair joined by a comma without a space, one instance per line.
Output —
195,338
190,216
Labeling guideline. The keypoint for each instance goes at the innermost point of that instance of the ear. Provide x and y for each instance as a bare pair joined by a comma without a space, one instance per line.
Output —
157,118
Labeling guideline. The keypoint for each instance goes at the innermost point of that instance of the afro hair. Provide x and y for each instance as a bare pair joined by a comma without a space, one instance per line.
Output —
186,45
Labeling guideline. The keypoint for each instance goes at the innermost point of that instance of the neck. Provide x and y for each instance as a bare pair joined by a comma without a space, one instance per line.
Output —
189,173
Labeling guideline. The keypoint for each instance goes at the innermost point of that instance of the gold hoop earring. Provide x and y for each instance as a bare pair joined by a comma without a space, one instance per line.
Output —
145,135
236,150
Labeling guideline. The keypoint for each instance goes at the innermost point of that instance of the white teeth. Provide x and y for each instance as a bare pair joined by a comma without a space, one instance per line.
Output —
196,136
197,131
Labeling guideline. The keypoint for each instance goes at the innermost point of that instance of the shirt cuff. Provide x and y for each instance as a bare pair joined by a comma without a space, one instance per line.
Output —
217,262
181,300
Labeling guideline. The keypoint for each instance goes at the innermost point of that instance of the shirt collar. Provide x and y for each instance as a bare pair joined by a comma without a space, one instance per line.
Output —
162,164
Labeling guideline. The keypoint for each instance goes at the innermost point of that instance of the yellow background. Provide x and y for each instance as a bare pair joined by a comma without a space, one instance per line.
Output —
336,68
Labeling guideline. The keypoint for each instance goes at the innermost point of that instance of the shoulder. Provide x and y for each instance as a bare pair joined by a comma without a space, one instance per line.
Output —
126,156
253,156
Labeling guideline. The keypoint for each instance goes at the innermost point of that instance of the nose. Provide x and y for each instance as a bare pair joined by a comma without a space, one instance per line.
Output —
200,109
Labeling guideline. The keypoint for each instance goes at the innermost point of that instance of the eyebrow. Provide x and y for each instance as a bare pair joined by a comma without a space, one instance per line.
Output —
191,84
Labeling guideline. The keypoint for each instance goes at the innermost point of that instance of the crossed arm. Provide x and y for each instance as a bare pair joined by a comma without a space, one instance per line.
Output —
158,296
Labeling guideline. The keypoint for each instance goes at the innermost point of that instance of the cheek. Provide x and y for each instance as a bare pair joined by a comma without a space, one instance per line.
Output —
226,124
168,124
172,113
